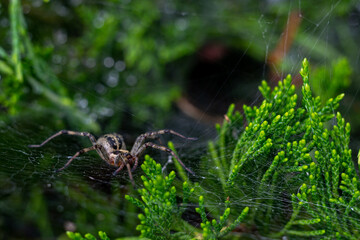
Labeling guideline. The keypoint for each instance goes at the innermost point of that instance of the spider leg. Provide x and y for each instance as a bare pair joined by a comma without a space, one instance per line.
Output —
76,155
130,175
119,169
135,164
162,148
67,132
129,171
153,135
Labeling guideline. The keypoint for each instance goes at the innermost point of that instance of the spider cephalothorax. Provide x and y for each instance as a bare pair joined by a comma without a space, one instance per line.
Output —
111,148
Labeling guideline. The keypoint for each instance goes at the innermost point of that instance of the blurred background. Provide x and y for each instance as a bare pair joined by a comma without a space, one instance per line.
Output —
134,66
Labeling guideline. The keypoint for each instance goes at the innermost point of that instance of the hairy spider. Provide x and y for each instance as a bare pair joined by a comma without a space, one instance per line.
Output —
111,148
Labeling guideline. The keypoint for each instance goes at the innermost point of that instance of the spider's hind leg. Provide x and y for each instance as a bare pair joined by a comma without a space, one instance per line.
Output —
67,132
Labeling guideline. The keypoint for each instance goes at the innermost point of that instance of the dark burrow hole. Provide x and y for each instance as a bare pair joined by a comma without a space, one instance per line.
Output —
221,75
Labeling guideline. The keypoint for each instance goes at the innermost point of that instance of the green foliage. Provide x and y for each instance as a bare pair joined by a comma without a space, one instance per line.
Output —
161,213
331,191
282,143
149,40
217,228
88,236
28,80
22,68
102,236
328,81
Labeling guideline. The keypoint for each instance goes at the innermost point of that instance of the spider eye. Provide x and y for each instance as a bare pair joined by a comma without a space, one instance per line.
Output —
120,141
112,142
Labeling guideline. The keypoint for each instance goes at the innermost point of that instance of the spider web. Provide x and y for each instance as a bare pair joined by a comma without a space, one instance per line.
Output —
35,201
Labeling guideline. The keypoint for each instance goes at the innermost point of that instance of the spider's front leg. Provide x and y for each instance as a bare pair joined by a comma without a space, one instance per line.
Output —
77,154
136,161
152,135
162,148
129,171
66,132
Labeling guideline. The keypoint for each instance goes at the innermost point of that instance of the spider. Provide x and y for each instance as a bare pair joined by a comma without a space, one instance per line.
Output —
111,148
